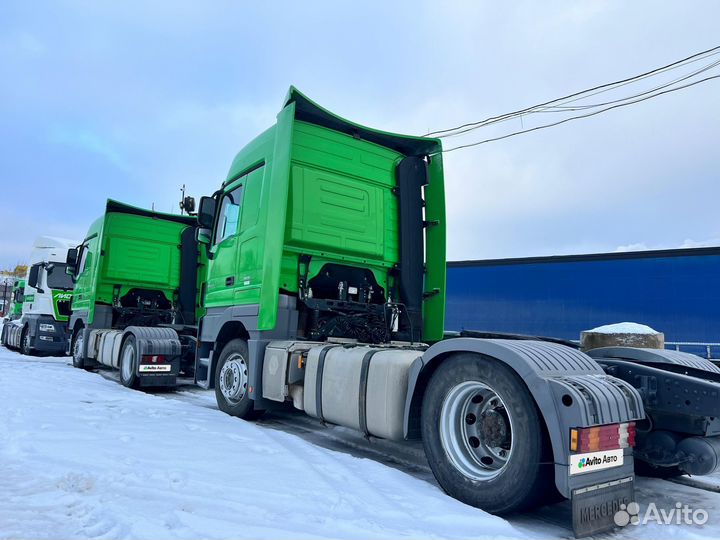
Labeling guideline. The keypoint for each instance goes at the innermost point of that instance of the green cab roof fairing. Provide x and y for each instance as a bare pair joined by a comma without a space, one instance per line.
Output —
273,148
306,110
122,208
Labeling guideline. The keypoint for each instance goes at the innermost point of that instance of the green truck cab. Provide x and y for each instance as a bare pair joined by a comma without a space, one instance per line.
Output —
135,268
325,229
17,298
14,312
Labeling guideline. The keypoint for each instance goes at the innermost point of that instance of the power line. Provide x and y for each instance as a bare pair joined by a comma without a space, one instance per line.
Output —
545,126
584,94
565,109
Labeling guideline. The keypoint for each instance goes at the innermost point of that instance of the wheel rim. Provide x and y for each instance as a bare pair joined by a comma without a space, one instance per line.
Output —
476,430
234,378
128,362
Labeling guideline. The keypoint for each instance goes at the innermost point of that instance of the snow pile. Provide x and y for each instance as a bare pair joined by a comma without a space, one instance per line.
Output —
82,456
624,328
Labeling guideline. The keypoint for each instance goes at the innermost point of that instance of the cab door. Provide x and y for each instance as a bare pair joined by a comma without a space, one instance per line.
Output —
222,269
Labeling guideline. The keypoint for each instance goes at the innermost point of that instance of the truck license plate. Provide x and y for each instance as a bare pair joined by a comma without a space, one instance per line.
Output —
594,507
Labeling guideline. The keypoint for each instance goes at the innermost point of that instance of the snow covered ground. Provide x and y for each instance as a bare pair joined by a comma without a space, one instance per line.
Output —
82,456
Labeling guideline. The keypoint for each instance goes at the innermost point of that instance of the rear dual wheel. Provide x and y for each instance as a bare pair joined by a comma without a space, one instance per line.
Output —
483,436
129,363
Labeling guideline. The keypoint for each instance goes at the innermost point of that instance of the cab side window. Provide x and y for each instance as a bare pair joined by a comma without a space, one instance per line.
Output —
83,258
229,215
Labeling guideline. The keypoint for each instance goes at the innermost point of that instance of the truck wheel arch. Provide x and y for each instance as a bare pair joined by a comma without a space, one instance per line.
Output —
569,388
79,325
229,331
421,374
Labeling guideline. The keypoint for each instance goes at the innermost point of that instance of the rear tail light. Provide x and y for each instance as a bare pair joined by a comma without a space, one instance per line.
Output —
608,437
153,359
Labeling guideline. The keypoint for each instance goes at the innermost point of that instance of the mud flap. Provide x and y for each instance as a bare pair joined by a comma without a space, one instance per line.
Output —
157,341
594,507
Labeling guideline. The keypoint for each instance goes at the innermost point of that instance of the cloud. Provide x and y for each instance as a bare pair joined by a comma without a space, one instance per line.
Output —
133,101
688,243
89,141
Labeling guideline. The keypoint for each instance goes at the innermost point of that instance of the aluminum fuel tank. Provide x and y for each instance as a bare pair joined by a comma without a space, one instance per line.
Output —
360,387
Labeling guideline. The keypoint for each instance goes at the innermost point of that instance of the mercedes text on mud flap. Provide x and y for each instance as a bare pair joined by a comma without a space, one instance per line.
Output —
41,327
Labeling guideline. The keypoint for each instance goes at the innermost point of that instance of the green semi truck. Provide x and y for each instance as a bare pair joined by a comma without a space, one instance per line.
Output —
135,270
314,278
15,310
16,300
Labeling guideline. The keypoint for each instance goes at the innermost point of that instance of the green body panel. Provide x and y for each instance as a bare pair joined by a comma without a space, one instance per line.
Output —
15,310
127,250
86,283
310,189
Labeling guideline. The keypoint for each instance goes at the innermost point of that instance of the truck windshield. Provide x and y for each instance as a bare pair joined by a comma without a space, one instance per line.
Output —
57,278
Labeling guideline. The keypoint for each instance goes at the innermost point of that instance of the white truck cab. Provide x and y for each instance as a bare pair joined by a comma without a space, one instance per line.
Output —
46,306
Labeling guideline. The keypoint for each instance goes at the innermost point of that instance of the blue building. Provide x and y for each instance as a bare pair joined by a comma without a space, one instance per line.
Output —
674,291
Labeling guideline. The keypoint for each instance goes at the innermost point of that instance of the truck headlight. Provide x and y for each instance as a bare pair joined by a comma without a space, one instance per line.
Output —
47,327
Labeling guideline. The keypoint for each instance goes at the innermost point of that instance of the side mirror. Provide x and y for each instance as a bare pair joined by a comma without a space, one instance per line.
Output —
33,276
206,212
203,235
71,258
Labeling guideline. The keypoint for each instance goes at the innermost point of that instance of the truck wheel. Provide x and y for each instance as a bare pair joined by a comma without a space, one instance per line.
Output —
128,363
483,436
77,350
231,381
25,342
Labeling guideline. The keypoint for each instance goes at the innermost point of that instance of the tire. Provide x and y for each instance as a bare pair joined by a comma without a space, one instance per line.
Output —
25,342
129,363
78,360
232,376
483,436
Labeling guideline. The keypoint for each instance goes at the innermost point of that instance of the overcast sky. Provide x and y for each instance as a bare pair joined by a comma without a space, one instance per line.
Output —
130,100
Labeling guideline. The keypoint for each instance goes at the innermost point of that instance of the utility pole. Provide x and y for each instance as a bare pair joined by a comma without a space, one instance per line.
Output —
182,199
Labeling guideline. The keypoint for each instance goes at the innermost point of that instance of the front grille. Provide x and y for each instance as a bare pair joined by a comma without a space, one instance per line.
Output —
64,308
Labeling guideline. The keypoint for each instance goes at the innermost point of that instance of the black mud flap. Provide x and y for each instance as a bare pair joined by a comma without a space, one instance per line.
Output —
155,375
594,507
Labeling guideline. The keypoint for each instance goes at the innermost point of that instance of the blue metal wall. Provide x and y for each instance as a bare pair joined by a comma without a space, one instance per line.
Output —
673,291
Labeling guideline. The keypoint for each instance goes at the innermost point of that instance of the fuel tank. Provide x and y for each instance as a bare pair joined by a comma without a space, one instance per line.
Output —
359,387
